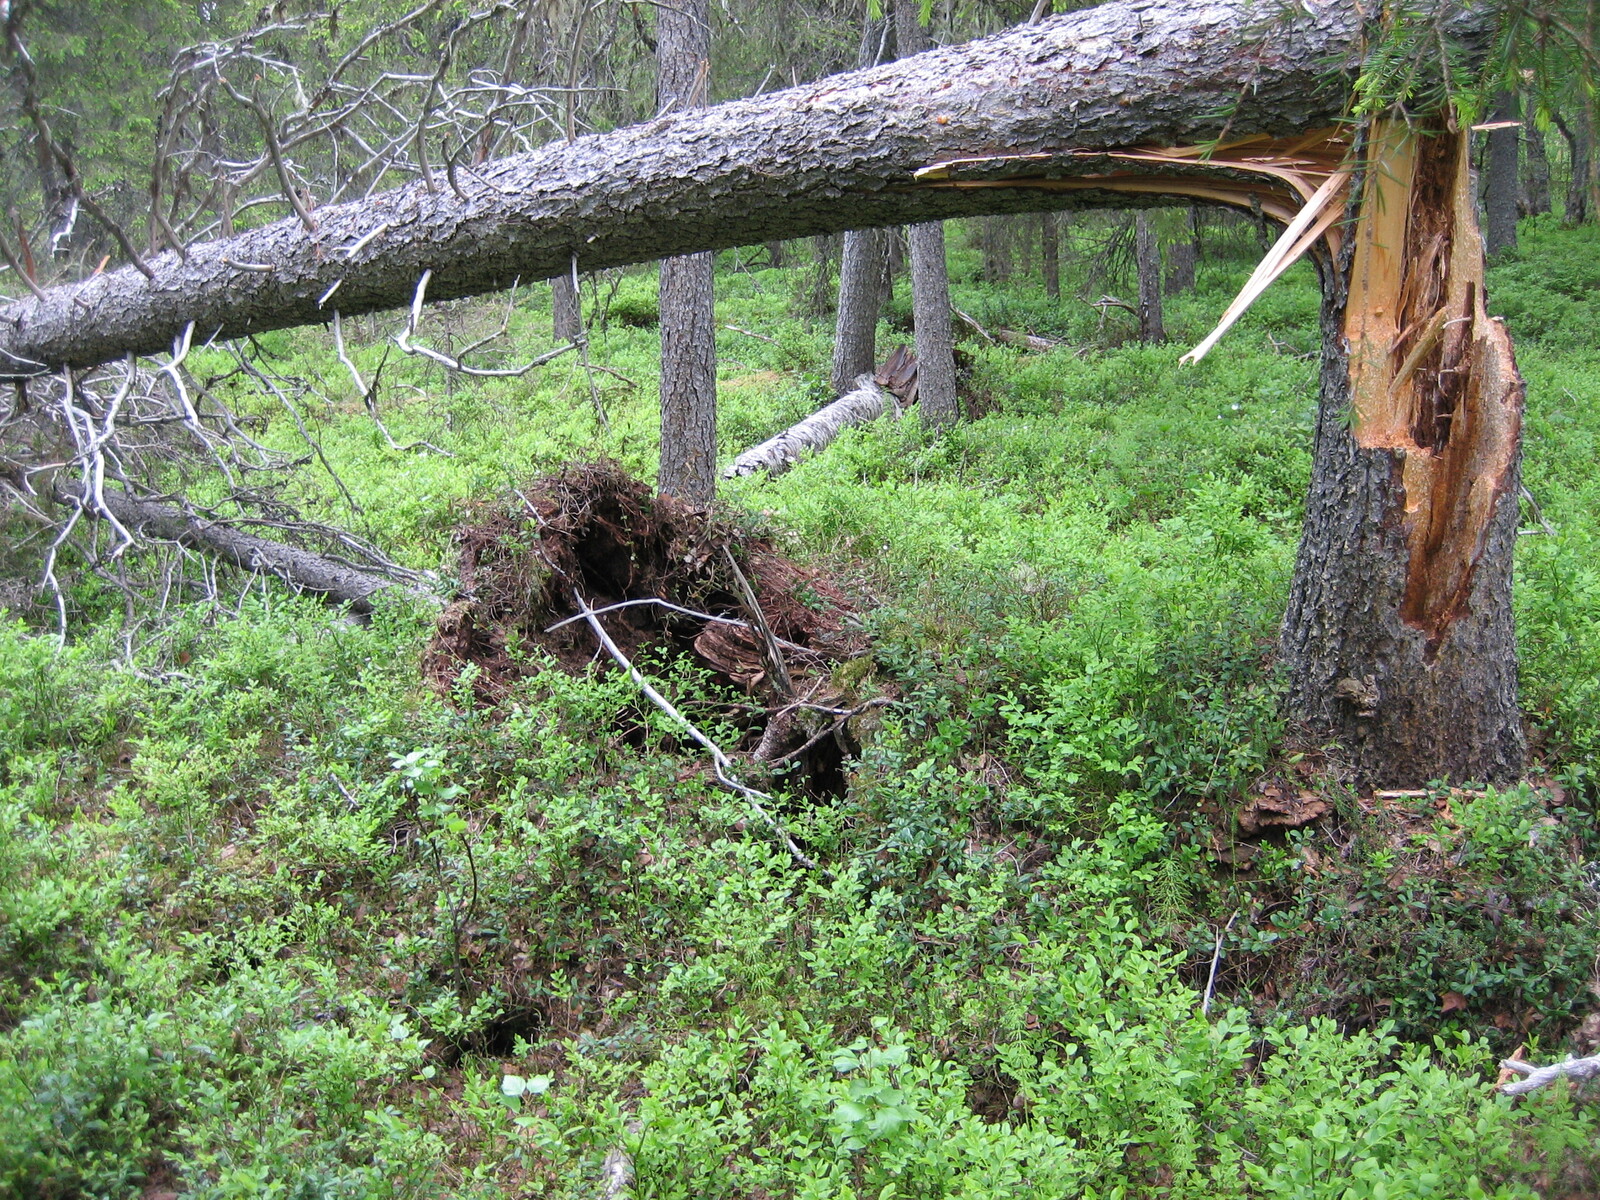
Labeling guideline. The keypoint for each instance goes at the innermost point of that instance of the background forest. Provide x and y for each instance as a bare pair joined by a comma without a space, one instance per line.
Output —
1050,902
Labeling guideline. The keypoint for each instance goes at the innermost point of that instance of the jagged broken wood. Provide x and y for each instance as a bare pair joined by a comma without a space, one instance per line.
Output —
302,569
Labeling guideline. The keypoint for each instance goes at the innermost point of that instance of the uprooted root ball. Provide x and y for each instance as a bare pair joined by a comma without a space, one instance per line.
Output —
657,572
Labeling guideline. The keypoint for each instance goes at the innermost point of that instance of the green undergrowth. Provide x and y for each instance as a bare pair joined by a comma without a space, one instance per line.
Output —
277,920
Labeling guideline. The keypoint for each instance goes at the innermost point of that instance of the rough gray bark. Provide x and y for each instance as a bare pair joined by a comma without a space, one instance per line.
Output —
1147,260
1183,256
1500,178
864,280
935,340
1579,135
836,154
688,380
930,276
864,402
567,312
860,301
300,568
819,290
688,466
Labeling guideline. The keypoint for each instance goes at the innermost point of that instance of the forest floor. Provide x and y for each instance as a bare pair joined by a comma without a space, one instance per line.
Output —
1030,892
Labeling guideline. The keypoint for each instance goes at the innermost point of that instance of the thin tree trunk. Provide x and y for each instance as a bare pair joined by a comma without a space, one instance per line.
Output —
1147,257
860,301
825,250
1398,637
566,323
1578,135
1183,256
1536,167
1500,182
688,466
1050,253
863,270
930,275
688,380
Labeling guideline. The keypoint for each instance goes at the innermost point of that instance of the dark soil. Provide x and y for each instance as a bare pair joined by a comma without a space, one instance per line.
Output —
593,535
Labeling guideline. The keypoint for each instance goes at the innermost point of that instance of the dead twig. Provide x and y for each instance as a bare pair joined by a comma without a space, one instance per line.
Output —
1216,959
724,768
1534,1078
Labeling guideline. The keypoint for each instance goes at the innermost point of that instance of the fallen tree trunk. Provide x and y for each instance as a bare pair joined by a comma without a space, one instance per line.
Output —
302,569
841,153
867,402
1398,638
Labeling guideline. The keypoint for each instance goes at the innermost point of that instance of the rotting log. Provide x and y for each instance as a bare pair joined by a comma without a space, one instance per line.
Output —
302,569
865,402
845,152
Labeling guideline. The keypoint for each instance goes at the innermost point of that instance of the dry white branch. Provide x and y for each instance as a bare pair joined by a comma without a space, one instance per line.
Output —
1535,1078
403,340
724,768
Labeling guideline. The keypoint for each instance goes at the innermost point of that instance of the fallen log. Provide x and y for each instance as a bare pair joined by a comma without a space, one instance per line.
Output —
303,569
777,454
1068,104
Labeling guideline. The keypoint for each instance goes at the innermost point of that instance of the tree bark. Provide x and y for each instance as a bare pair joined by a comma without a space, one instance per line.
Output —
1580,145
1147,258
930,275
566,323
1500,182
836,154
864,401
688,467
1398,637
1536,168
864,268
855,337
299,568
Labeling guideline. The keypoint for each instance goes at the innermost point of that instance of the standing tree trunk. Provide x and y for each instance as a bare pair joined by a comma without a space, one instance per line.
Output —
1147,258
930,276
1183,256
855,340
1578,134
1398,637
1535,197
1500,183
1050,253
688,323
819,288
566,323
863,270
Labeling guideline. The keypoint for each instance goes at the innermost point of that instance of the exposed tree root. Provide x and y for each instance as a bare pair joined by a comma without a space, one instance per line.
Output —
653,576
